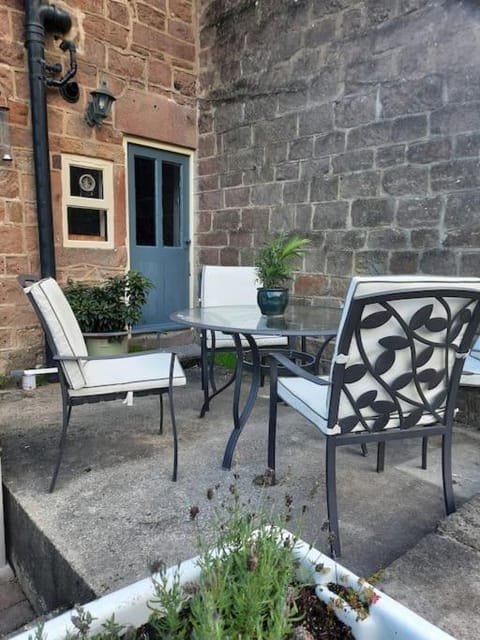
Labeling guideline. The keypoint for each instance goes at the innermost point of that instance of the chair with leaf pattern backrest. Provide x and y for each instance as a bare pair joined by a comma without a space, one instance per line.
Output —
471,370
395,373
90,379
219,287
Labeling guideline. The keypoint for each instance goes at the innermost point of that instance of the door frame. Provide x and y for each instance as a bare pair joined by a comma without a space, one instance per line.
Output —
153,144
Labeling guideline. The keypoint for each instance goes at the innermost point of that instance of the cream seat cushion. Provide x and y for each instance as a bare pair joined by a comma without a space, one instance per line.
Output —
129,373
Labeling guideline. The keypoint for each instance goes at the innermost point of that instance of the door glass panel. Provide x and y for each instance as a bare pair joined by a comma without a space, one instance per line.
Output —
171,204
145,222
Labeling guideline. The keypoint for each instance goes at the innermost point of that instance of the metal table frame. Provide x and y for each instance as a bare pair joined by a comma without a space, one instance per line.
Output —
245,321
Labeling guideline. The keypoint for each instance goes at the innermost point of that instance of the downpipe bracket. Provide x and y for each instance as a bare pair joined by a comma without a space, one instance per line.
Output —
68,90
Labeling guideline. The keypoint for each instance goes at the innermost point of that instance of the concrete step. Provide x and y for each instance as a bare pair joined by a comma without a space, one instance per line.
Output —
115,507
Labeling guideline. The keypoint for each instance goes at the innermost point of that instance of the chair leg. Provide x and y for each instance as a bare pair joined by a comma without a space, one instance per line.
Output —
175,439
334,534
204,369
424,452
364,450
381,456
172,418
160,430
67,410
447,472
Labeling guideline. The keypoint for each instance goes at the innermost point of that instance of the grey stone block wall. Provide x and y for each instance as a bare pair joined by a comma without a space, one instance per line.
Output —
356,123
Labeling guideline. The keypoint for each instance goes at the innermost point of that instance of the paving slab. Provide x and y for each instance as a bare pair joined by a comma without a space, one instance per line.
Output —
115,509
439,579
15,609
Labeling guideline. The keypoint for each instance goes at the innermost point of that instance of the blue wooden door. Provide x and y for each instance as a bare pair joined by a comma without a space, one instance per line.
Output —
159,229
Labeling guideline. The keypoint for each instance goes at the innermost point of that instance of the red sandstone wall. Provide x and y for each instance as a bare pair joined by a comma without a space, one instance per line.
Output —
146,52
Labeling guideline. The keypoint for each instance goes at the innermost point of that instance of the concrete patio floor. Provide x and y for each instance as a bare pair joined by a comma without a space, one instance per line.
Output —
115,509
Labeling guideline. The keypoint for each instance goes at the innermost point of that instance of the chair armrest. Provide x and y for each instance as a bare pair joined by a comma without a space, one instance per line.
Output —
25,279
295,369
71,358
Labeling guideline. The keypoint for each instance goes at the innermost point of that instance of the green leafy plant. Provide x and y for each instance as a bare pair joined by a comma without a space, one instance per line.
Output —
274,260
82,621
246,587
359,598
227,360
5,381
115,305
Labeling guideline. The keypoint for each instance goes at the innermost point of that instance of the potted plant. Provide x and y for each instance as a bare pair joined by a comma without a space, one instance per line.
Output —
107,311
274,268
256,581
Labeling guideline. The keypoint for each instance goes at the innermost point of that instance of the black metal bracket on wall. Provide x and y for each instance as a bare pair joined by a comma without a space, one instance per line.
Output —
68,90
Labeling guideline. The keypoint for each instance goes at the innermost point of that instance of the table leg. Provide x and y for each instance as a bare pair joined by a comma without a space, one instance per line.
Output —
240,416
208,374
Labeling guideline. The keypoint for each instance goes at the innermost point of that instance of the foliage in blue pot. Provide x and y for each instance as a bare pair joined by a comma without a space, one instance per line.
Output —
274,260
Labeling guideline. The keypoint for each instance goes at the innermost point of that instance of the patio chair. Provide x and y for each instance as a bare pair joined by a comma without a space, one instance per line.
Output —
471,369
470,378
226,286
91,379
395,373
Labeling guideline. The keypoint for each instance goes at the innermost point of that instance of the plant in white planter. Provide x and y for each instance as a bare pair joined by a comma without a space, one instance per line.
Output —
260,584
107,311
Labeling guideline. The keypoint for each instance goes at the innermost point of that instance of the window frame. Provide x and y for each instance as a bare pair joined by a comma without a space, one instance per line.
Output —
82,202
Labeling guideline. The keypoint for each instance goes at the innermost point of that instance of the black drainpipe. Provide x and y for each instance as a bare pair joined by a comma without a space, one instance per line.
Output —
39,19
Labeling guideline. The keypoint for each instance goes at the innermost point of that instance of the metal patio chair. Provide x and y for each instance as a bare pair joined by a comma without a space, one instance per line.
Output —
395,373
219,287
91,379
471,369
470,378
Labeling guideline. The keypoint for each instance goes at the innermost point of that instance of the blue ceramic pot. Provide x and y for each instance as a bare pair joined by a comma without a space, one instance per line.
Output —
272,302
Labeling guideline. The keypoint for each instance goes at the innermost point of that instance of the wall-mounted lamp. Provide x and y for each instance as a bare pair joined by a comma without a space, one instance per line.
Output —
99,106
5,149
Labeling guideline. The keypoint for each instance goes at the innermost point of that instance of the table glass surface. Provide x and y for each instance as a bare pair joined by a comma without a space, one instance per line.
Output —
297,320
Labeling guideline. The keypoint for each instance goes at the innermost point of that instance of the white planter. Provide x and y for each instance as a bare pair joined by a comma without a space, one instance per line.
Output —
387,620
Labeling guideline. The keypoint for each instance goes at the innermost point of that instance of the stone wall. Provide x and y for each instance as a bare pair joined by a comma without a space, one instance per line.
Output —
145,50
356,123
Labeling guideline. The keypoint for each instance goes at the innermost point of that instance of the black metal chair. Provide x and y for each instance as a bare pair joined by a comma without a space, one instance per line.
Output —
222,286
471,370
395,374
91,379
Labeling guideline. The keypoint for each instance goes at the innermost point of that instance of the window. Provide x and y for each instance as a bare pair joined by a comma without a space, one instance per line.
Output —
87,186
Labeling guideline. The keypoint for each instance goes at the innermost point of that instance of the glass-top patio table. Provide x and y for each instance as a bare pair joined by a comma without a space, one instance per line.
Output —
247,322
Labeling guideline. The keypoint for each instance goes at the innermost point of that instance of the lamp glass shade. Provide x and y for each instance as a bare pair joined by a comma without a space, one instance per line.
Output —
103,100
99,106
